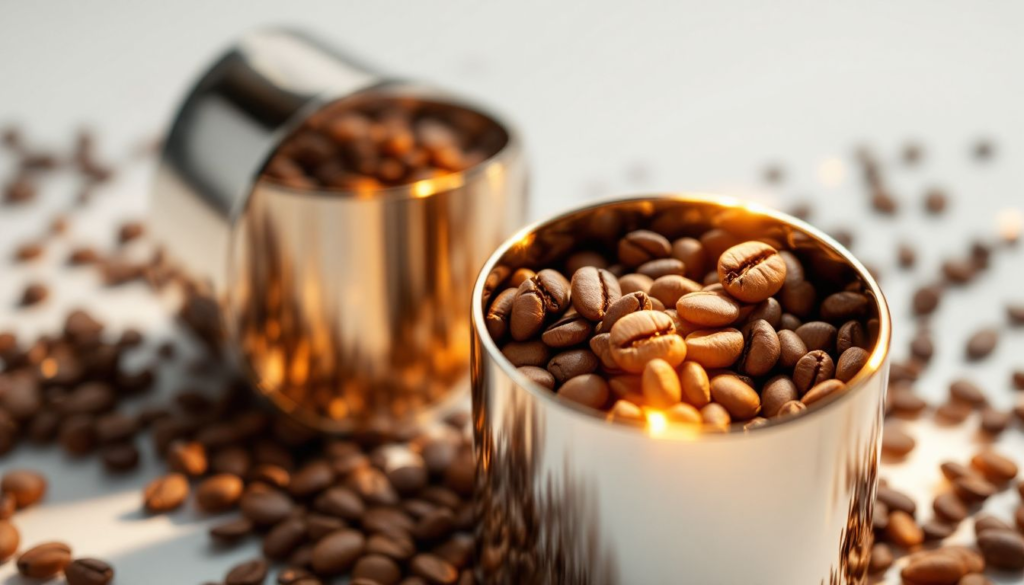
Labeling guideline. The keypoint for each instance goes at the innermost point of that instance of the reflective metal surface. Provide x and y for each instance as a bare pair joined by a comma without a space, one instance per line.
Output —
349,309
564,496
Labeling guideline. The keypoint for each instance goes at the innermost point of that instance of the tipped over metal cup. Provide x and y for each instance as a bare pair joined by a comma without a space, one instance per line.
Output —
566,496
347,305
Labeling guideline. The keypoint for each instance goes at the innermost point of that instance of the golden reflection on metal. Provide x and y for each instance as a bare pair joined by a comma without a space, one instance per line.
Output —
351,307
564,496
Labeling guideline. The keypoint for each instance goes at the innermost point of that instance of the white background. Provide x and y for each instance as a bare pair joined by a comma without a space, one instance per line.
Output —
612,97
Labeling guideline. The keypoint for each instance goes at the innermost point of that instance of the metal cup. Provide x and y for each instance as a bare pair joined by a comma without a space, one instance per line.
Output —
348,309
565,496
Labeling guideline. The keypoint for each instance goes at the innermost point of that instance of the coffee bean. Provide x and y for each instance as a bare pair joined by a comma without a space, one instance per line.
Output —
905,402
1017,379
499,312
219,492
311,479
822,390
252,572
982,343
814,368
593,291
538,376
967,392
587,389
881,558
25,486
922,346
641,246
232,530
378,569
433,569
973,489
752,271
629,303
896,500
44,561
708,309
818,335
34,293
526,353
843,306
937,530
660,383
544,295
10,539
88,572
165,493
762,349
695,387
903,531
1015,314
933,568
624,410
896,442
949,507
187,458
337,552
573,363
926,300
584,259
994,422
284,538
683,413
341,502
1003,549
850,362
265,507
640,337
691,252
791,348
655,269
715,348
995,467
669,289
985,522
572,329
738,398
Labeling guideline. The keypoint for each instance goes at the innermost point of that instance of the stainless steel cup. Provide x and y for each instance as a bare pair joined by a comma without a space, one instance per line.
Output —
564,496
348,309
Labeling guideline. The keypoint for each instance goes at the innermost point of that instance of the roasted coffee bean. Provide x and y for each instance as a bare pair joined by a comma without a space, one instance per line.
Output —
933,568
949,507
922,346
994,422
44,561
660,383
791,348
967,392
775,393
573,363
995,467
814,368
265,507
629,303
499,312
377,569
433,569
527,353
311,479
985,522
284,538
715,416
818,335
252,572
25,486
337,552
584,259
165,493
850,362
187,458
1003,549
953,412
903,531
587,389
691,252
926,300
537,299
593,291
640,246
762,349
669,289
881,558
655,269
34,293
895,500
752,271
640,337
624,410
683,413
905,402
341,502
538,376
959,270
896,442
572,329
88,572
399,549
708,309
843,306
232,530
937,530
822,390
10,539
219,492
982,343
738,398
972,489
694,385
715,348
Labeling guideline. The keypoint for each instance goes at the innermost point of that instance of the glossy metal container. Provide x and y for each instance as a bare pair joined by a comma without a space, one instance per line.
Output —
348,308
566,497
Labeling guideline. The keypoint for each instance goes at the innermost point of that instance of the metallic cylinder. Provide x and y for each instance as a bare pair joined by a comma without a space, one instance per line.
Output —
565,496
348,309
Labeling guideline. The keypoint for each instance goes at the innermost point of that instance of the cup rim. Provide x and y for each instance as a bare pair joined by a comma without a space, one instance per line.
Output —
877,360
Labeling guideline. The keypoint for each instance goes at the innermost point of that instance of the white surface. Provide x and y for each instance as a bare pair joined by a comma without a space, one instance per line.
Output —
612,97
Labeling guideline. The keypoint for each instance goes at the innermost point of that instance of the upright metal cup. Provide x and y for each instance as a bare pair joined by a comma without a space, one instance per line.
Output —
566,497
349,309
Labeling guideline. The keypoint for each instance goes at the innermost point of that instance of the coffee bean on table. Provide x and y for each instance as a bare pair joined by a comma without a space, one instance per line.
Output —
165,493
933,568
949,507
88,572
219,492
253,572
973,489
337,552
982,343
1003,549
995,467
433,569
25,486
967,392
10,539
232,530
903,531
377,569
187,458
926,300
44,561
752,271
881,558
896,442
34,293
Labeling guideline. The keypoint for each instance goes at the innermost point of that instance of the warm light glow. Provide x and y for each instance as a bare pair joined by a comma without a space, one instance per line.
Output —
423,189
1009,222
48,367
656,422
831,172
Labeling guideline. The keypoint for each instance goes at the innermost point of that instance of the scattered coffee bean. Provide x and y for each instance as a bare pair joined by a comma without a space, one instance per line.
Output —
10,539
44,561
34,293
25,486
982,343
252,572
88,572
165,493
1003,549
995,467
896,442
903,531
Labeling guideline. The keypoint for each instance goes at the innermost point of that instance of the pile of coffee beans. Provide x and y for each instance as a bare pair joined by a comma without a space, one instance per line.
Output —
706,330
370,143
